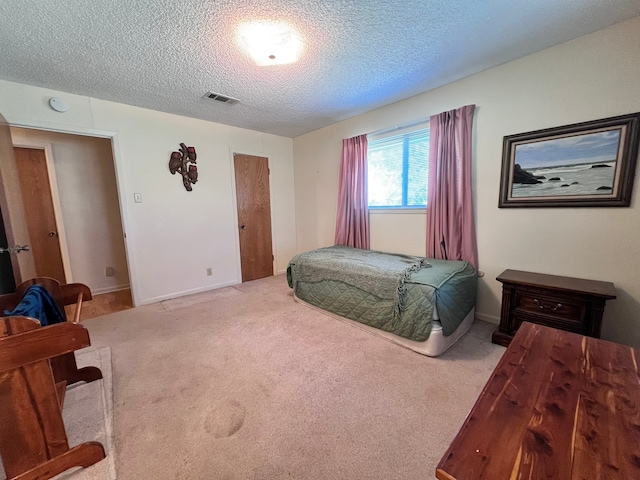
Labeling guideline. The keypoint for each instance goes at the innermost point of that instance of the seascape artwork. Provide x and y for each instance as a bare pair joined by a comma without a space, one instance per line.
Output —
584,164
588,164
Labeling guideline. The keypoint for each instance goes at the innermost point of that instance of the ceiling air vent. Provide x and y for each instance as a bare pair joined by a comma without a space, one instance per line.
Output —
221,98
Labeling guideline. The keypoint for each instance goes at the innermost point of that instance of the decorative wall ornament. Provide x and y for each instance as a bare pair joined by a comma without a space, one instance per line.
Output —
179,162
589,164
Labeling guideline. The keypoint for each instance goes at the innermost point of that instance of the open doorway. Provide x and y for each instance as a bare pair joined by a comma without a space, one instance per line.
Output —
7,279
87,222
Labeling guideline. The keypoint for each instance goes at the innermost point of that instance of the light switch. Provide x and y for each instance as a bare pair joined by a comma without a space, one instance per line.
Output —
137,197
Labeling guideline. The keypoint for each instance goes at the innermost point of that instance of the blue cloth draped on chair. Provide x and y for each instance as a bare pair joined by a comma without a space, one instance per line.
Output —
38,303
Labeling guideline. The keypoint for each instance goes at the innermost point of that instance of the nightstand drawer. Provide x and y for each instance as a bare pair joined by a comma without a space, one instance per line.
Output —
520,316
546,305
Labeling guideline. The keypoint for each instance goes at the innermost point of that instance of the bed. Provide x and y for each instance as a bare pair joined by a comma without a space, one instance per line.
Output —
422,304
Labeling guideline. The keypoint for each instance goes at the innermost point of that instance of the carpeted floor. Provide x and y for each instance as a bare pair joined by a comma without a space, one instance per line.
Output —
88,415
245,383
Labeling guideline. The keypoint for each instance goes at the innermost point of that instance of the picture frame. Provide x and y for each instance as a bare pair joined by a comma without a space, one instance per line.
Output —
588,164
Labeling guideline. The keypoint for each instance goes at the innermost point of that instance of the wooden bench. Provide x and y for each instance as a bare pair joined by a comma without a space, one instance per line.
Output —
36,366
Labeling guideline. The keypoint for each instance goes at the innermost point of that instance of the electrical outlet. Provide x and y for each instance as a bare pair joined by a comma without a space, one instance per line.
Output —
108,272
209,271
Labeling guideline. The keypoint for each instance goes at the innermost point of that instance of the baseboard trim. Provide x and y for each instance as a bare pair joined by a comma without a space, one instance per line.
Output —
169,296
488,318
100,291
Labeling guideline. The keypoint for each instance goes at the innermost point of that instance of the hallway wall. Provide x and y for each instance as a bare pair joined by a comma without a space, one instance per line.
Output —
173,236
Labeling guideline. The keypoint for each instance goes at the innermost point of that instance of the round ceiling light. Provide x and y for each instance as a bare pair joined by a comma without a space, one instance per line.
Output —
270,43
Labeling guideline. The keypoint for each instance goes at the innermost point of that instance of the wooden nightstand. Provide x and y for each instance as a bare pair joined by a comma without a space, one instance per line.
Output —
566,303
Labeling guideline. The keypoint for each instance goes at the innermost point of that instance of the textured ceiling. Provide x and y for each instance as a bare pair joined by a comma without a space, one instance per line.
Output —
358,54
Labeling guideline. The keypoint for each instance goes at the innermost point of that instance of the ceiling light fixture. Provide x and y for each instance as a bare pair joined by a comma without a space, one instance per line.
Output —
271,44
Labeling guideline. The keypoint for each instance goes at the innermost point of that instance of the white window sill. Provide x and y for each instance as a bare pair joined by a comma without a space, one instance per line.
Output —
395,211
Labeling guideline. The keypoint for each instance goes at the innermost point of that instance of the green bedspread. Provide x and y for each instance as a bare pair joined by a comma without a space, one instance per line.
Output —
396,293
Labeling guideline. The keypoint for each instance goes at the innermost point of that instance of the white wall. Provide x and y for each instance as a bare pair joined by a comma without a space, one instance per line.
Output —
387,226
592,77
91,222
173,235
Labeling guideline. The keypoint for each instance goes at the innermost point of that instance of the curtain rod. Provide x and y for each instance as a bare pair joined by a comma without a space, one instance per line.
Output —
399,127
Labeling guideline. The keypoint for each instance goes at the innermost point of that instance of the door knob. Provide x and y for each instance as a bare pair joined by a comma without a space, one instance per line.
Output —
242,227
52,234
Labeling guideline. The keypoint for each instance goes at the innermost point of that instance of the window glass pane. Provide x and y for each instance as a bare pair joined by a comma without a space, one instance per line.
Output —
385,175
397,170
417,172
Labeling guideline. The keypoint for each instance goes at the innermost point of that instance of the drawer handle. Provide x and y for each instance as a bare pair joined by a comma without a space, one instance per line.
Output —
553,308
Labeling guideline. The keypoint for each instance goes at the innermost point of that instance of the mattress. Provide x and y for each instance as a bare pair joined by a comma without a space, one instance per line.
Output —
391,292
435,345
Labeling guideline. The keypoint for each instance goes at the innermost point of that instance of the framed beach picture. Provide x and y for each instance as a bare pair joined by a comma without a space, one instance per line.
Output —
588,164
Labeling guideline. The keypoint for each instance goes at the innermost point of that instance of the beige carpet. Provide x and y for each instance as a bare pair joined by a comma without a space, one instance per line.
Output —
191,300
88,416
245,383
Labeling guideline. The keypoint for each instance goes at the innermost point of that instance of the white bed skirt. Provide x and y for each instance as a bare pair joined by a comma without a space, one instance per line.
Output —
435,345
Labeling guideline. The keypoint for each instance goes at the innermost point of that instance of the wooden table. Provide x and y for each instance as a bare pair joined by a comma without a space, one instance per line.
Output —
558,406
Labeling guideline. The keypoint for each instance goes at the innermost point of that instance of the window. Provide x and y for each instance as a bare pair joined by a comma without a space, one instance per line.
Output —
397,169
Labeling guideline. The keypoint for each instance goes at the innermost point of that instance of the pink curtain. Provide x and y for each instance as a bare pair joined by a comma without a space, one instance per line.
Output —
451,233
352,223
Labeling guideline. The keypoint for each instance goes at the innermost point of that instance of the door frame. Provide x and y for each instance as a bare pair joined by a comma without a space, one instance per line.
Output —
120,187
234,197
55,199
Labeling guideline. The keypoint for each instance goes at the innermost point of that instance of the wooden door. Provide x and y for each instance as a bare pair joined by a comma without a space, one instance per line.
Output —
13,213
254,216
38,205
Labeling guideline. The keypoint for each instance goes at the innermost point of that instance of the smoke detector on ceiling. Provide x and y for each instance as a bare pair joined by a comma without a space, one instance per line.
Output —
221,98
58,104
